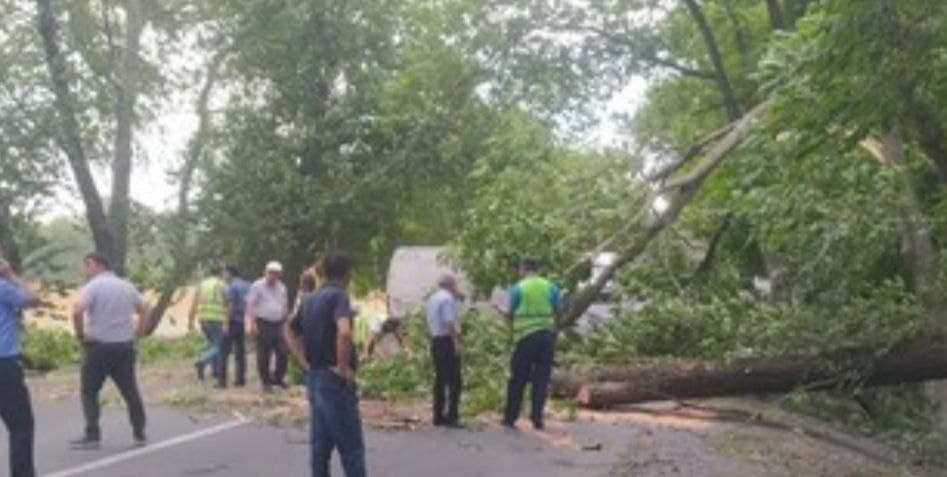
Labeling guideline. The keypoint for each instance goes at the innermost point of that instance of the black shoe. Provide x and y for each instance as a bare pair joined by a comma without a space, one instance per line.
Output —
140,438
508,424
539,425
282,384
454,425
200,371
239,384
86,442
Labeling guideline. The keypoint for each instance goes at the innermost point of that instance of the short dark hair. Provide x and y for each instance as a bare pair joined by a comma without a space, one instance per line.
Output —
336,265
233,270
99,259
530,264
216,269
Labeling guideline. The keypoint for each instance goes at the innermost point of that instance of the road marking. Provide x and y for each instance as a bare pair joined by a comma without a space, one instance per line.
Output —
149,449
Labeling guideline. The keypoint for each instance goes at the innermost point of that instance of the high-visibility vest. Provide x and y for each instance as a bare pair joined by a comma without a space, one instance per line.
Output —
535,311
210,305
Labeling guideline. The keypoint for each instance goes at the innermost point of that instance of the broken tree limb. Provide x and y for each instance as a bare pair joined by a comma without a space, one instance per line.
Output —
646,225
701,379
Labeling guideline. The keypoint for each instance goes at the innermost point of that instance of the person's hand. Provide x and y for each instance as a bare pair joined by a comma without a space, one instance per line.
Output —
251,329
343,372
457,349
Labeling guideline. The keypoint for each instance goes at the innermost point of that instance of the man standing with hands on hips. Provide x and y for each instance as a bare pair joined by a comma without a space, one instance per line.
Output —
15,407
267,310
104,323
320,337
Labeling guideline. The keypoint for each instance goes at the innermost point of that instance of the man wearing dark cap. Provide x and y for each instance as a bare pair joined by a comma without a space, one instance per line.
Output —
534,304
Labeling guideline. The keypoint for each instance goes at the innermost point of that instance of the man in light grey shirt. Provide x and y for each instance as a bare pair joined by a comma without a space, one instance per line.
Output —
267,310
104,321
443,321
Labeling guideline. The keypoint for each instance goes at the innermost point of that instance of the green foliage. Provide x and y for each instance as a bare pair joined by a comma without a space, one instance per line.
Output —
49,349
156,349
485,358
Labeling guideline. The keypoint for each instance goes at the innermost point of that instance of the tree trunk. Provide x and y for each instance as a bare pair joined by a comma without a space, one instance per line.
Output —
648,223
126,97
694,379
183,262
68,135
776,17
730,102
8,246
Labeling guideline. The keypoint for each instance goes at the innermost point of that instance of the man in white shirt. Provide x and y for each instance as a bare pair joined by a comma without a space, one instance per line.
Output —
443,320
267,310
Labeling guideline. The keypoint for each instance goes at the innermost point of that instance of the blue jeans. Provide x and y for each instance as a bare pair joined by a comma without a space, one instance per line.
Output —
335,422
531,363
214,332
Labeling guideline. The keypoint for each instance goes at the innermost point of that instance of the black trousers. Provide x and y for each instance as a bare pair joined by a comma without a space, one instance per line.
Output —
270,342
116,361
447,379
234,341
531,363
17,414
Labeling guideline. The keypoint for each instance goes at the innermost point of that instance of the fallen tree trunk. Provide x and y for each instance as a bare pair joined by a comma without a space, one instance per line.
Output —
700,379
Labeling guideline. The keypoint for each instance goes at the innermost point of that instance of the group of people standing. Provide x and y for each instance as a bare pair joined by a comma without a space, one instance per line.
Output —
228,309
318,332
532,309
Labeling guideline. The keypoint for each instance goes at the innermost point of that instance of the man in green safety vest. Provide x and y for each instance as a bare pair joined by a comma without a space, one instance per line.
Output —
534,303
210,309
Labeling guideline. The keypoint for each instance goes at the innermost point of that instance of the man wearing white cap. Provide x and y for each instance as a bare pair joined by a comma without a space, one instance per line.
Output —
267,310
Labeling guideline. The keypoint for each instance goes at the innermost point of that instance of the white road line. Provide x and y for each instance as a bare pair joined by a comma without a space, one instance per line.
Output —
149,449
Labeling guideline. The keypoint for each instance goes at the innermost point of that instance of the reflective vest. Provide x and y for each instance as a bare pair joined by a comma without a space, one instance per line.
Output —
210,305
535,310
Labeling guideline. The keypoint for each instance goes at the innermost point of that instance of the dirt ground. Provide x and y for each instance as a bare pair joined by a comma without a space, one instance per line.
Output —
732,438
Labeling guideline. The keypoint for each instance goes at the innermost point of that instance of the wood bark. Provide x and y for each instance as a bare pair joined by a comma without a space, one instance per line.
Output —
730,102
697,379
777,19
126,98
648,223
68,135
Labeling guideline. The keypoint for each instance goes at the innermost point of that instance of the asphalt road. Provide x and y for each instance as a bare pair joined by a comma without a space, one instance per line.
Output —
181,444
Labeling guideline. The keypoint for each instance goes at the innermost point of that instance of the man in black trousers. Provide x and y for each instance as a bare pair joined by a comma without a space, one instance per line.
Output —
443,322
15,408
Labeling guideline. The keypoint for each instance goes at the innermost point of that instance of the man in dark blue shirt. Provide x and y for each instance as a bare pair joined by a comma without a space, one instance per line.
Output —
15,408
234,338
320,337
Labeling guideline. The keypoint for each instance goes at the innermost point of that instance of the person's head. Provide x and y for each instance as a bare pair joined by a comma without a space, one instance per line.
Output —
337,267
273,272
529,266
215,271
448,282
307,282
231,272
94,264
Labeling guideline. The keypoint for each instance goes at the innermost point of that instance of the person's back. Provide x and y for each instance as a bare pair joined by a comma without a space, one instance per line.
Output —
210,306
318,313
110,305
237,298
535,300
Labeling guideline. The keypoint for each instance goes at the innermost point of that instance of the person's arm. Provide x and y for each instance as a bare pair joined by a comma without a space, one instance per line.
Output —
343,346
22,295
450,311
343,341
249,321
287,312
78,315
293,333
225,299
192,313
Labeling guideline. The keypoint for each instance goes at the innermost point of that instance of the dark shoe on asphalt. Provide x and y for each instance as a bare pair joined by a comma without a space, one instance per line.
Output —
508,424
240,383
140,439
539,425
454,425
86,443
